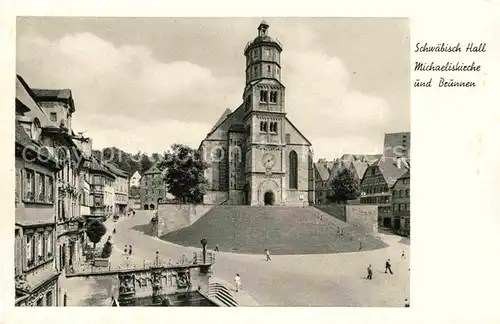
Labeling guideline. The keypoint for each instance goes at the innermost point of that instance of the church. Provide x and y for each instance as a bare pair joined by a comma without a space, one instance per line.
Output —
255,155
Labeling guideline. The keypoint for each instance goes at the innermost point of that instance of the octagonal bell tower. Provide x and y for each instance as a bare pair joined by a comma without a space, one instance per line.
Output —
263,56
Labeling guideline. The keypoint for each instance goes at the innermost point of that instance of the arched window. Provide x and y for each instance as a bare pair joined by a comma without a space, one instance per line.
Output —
263,126
293,170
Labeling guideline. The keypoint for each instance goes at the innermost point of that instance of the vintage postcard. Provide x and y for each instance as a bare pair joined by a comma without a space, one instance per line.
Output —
226,161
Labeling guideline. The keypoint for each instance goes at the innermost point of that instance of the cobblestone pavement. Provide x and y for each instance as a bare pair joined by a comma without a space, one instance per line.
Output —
298,280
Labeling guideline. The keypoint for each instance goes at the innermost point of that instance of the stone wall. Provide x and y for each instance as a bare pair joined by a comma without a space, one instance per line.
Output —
363,216
172,217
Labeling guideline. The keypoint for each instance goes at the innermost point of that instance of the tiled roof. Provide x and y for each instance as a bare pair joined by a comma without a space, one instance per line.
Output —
322,169
114,169
360,168
237,128
23,94
154,169
53,93
223,117
390,170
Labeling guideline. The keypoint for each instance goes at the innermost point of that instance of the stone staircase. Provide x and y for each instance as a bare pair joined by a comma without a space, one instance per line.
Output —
283,230
221,295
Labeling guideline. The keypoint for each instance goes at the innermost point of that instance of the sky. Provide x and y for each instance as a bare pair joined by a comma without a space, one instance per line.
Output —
142,84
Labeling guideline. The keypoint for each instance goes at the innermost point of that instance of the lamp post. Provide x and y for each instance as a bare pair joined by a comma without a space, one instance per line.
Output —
204,242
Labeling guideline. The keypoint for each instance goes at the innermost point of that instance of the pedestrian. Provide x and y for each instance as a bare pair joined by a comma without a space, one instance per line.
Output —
237,282
133,212
268,256
388,266
360,245
403,254
114,230
130,249
370,272
216,247
125,249
407,302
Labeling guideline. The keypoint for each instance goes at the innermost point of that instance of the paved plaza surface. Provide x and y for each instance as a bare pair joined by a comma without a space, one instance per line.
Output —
289,280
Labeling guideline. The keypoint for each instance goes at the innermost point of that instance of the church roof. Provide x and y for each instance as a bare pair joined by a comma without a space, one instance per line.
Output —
222,118
237,128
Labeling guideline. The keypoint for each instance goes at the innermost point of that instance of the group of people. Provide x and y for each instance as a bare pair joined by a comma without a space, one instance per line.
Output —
128,249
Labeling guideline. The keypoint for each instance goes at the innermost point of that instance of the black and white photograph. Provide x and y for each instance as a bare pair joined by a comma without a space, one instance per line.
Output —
225,162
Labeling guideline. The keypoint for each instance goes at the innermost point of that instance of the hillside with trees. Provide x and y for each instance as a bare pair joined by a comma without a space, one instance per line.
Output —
127,162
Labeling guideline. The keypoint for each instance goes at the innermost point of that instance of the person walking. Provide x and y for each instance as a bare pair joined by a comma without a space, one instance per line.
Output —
237,282
268,255
370,272
216,248
403,254
360,245
130,249
388,266
125,249
407,302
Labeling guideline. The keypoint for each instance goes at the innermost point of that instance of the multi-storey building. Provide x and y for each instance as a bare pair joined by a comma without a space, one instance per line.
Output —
121,186
58,104
101,193
397,145
401,204
152,188
36,163
322,182
256,155
84,146
377,183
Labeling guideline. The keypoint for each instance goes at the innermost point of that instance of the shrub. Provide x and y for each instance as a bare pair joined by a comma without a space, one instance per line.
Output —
107,249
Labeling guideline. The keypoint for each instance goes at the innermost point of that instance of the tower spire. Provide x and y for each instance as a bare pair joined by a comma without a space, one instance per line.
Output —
263,27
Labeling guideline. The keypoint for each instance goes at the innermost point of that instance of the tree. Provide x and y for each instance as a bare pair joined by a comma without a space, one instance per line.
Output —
95,230
345,187
184,173
106,250
145,163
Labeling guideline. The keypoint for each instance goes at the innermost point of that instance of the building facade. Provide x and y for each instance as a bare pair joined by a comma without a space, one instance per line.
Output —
255,154
121,189
397,145
401,204
36,274
101,193
323,184
152,188
377,184
59,106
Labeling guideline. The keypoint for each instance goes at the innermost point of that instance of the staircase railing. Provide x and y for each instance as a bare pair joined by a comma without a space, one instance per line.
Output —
222,294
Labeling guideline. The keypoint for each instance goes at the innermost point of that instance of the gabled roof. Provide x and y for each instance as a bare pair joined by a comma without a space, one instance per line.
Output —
222,118
25,95
153,170
297,130
136,174
390,170
322,170
116,171
360,168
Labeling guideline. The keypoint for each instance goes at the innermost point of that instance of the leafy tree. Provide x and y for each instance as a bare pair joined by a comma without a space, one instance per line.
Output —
145,164
345,187
184,173
95,230
107,249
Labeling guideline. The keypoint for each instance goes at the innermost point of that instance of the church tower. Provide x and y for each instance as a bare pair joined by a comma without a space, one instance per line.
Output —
264,121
